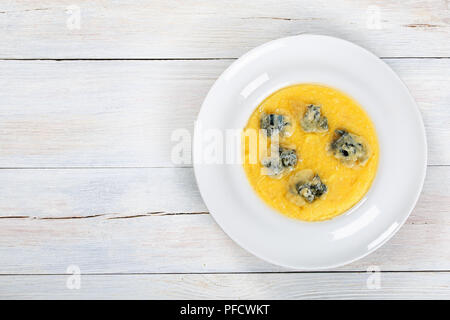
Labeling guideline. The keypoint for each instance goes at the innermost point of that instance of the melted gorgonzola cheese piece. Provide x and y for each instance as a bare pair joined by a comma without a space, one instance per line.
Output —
305,187
274,123
313,121
285,159
349,148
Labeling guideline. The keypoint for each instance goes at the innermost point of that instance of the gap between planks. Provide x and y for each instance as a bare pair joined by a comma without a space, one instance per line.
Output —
172,59
142,167
107,216
226,273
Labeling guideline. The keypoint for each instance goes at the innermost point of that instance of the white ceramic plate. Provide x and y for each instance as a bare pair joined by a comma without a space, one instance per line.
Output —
403,152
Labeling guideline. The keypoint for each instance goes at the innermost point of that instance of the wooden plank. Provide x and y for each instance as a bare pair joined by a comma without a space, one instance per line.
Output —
112,193
162,29
423,285
81,113
100,220
180,244
66,193
122,113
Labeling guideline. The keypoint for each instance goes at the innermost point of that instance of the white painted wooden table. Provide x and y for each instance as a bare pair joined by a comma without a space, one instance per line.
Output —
87,107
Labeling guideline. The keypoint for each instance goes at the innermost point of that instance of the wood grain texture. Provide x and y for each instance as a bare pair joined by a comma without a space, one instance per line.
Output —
180,244
426,285
194,29
124,207
67,193
102,221
122,113
114,192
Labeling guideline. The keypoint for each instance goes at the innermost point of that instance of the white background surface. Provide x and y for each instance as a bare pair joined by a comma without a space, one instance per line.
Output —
85,121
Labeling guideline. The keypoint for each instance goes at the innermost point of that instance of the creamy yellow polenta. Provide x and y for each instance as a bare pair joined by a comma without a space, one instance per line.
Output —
346,185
